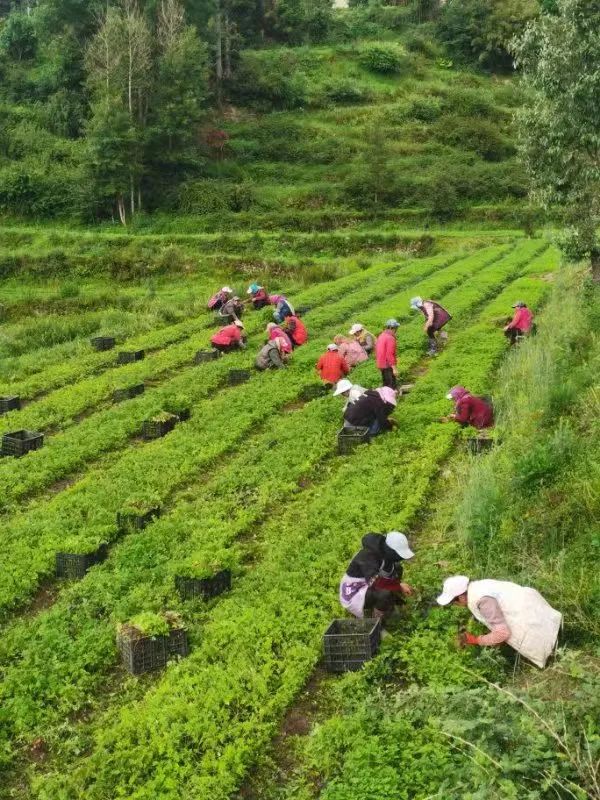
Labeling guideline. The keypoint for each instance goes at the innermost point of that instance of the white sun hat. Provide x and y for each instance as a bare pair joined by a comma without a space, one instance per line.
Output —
398,542
342,386
416,302
227,289
332,347
356,328
453,587
239,323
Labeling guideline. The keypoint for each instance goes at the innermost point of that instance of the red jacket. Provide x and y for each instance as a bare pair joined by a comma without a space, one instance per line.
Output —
227,335
332,367
521,320
297,330
471,410
385,350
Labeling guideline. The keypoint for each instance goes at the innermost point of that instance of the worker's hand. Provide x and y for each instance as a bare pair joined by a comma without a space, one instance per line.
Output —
444,419
406,589
393,423
465,638
394,371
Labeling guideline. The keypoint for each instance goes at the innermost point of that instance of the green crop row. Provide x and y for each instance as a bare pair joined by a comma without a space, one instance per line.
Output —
107,429
88,509
205,722
146,563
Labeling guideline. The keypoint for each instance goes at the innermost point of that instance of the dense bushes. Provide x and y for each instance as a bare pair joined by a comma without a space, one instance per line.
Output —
386,59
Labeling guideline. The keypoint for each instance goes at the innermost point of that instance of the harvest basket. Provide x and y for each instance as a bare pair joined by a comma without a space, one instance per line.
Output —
129,356
103,342
128,392
237,376
129,521
9,403
191,588
75,565
19,443
349,438
155,429
203,356
145,653
349,643
313,391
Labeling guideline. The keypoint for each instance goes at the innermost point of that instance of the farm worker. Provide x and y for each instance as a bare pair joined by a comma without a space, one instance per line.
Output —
372,411
435,319
296,330
351,350
258,296
373,584
385,353
232,308
470,410
217,300
331,366
351,391
283,307
229,338
520,324
365,339
276,332
517,615
271,355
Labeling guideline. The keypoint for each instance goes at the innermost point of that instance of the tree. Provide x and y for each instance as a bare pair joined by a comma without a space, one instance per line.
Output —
17,37
559,128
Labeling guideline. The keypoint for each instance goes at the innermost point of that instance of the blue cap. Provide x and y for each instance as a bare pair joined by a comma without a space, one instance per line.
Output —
392,323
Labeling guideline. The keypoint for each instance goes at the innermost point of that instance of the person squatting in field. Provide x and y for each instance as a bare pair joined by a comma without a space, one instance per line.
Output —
521,323
435,319
385,354
365,339
296,330
258,296
229,338
283,307
350,391
469,409
218,299
272,355
331,366
372,410
233,309
350,350
517,615
372,584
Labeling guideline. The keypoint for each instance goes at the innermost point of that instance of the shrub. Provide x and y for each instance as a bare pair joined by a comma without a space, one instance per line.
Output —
269,81
479,135
424,109
346,91
383,59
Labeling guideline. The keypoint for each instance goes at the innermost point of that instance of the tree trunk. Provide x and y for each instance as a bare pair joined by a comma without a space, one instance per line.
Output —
121,209
219,52
227,65
132,193
139,197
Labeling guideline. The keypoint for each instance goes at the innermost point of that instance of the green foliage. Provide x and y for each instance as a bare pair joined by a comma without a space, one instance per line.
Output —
18,39
480,31
384,59
558,127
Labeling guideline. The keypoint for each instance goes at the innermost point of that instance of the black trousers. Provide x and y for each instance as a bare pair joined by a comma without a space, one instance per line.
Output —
258,304
381,600
225,348
512,334
388,378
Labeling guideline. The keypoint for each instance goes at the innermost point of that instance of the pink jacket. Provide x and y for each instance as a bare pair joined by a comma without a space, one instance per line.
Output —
521,320
385,350
352,352
278,332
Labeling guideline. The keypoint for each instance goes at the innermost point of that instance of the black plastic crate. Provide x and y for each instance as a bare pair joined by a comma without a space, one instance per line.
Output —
191,588
203,356
182,414
75,565
129,356
349,438
103,342
349,643
18,443
478,445
313,391
133,521
146,653
237,376
220,321
9,403
156,429
130,391
301,310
